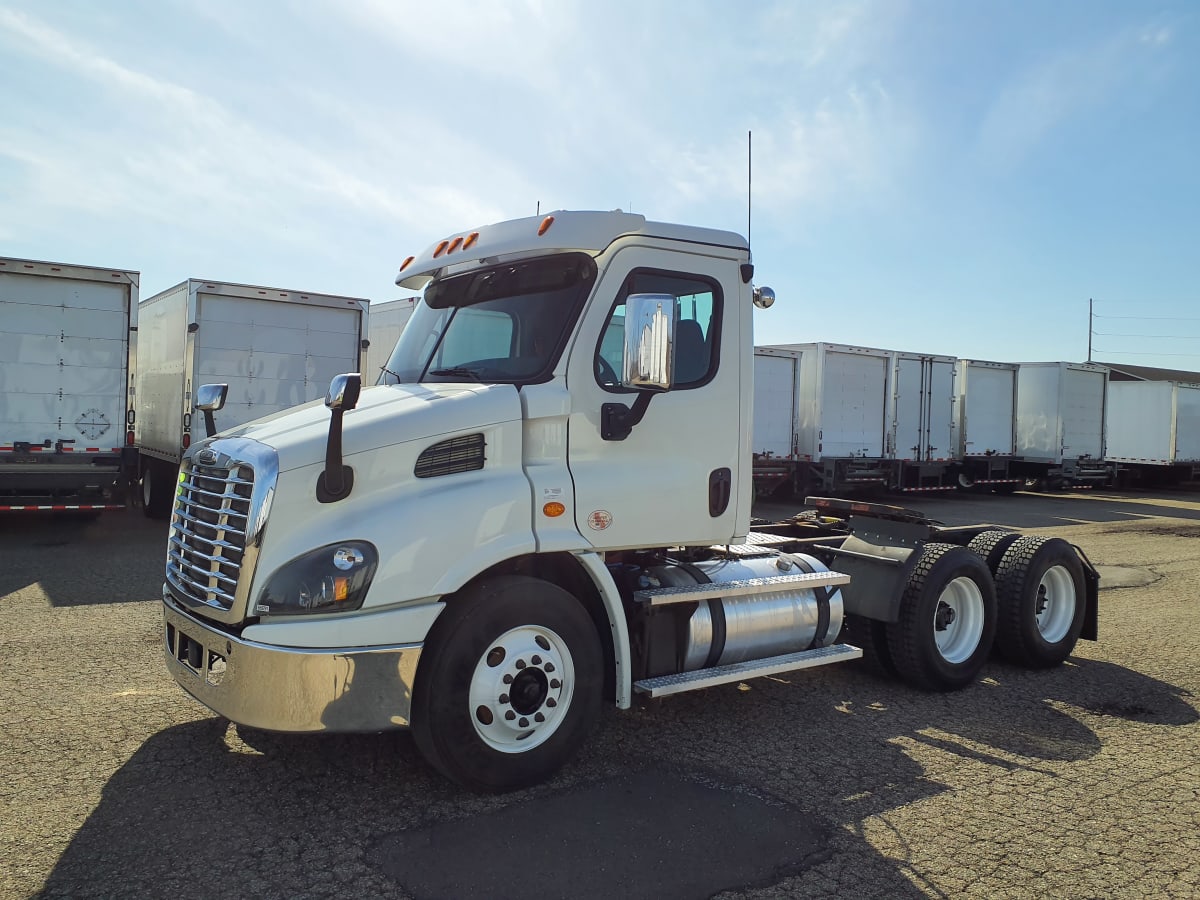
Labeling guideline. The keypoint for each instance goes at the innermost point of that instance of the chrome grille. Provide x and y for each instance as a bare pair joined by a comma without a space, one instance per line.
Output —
209,528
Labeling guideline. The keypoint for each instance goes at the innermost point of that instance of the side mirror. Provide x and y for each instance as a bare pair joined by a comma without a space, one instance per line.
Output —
337,480
649,355
344,391
210,398
647,362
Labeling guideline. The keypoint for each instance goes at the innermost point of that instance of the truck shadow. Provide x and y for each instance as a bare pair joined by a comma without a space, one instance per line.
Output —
76,561
228,811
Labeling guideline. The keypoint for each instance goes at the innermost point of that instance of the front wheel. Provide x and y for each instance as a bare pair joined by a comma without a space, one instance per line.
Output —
509,684
157,489
1040,587
947,619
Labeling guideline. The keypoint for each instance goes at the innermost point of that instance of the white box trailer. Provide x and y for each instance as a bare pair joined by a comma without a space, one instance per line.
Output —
920,437
387,320
67,334
1154,430
842,402
773,441
274,348
1061,424
985,429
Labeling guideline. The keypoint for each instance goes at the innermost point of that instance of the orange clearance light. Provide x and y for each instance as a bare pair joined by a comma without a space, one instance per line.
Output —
408,262
441,248
341,589
454,244
545,226
554,509
471,239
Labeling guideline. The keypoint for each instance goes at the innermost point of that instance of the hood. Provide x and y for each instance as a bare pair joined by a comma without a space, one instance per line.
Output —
386,414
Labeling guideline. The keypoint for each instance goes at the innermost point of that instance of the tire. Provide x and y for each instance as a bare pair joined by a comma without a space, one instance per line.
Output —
157,490
507,636
1042,601
870,636
991,545
947,619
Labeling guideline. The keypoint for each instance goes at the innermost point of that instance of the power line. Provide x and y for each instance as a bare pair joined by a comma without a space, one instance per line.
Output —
1148,318
1168,337
1101,350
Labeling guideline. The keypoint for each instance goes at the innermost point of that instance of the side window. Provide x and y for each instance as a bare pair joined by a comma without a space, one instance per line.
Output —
697,329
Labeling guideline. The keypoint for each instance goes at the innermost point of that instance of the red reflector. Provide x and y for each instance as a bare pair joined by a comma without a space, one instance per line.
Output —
129,439
187,441
860,507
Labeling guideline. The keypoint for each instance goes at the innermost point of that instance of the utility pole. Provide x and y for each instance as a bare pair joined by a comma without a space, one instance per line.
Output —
1089,359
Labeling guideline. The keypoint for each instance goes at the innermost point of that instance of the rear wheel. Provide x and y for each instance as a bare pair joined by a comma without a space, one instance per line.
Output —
991,545
509,684
947,619
1040,588
157,489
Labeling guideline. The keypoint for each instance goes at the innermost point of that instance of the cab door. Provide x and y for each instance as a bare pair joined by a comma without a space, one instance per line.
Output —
674,479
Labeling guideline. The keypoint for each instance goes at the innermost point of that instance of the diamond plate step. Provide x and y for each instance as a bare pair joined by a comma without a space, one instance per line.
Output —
754,668
776,584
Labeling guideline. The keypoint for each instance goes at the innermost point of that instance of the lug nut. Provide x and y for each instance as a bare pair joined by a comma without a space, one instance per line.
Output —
507,679
555,683
549,667
524,723
551,702
538,717
504,698
537,660
520,663
509,716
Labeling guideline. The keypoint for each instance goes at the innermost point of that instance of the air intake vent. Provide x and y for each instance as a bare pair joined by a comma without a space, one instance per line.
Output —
460,454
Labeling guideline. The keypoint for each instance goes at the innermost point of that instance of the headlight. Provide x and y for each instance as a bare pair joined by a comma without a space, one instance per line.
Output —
331,579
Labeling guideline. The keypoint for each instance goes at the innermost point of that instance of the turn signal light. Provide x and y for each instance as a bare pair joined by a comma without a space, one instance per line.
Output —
554,509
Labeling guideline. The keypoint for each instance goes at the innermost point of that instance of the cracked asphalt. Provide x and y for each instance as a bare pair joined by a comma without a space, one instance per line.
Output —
1079,782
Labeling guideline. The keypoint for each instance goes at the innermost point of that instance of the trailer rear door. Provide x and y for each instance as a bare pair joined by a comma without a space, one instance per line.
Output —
853,404
1083,413
273,354
774,404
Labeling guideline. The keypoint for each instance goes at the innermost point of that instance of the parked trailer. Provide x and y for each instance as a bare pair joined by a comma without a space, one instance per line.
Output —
387,320
774,447
985,426
1061,424
921,422
274,348
507,533
66,401
1154,431
841,418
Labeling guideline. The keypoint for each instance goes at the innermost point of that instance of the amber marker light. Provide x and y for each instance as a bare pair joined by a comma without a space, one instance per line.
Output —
454,244
441,248
545,226
408,262
471,239
554,509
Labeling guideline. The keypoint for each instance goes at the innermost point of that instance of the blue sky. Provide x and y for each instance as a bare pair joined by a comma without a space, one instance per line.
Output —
946,177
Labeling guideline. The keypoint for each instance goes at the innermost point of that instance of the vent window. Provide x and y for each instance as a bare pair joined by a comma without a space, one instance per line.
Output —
460,454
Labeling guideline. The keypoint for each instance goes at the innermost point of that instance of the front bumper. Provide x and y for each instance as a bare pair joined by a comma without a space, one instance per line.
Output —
351,689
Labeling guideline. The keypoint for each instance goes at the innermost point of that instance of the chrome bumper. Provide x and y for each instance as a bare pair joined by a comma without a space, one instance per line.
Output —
289,689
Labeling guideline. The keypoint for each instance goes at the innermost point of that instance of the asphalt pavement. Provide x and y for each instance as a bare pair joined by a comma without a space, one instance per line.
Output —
1082,781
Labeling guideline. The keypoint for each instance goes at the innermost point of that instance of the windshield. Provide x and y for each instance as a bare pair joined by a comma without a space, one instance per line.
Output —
507,323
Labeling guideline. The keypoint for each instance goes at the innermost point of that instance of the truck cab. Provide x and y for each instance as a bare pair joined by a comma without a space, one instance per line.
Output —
543,503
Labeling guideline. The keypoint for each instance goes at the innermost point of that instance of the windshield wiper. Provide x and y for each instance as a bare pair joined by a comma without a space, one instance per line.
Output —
458,371
388,371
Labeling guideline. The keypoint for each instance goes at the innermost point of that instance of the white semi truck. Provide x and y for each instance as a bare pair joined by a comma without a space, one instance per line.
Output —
67,339
273,348
548,504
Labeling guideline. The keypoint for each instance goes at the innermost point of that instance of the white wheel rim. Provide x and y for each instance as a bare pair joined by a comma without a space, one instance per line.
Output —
958,620
521,689
1055,604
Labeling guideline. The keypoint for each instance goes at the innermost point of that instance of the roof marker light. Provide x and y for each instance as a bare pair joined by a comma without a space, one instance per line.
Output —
404,265
441,248
471,239
454,244
545,226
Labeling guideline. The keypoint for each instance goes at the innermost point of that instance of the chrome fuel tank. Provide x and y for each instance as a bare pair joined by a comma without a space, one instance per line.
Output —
731,630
